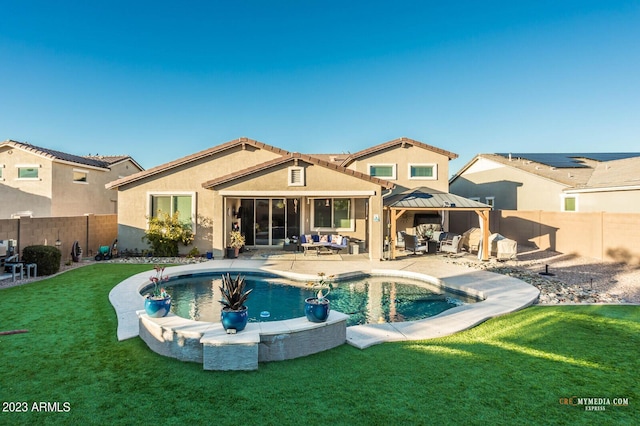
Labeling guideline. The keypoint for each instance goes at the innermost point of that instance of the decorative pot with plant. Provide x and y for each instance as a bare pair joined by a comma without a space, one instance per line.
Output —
158,303
234,315
317,308
236,242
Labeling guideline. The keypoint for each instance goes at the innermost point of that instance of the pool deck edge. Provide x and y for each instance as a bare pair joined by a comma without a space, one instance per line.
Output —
502,294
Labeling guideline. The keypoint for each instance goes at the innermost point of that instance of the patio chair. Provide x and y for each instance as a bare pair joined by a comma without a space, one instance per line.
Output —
412,244
451,243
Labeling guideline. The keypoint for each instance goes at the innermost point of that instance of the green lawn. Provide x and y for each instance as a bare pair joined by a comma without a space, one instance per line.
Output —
510,370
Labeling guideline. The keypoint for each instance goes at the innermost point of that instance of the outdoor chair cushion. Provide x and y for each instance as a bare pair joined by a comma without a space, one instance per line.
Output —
334,242
412,244
451,243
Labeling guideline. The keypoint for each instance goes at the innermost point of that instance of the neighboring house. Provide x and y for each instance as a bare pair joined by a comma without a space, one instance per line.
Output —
273,194
553,182
41,182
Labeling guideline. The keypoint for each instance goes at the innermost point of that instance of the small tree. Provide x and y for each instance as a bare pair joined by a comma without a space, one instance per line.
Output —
165,232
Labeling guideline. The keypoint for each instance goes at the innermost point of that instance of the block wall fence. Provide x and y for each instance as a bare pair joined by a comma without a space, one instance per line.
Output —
91,231
599,235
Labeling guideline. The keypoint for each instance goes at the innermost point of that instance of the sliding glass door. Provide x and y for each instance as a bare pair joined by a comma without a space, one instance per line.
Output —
268,221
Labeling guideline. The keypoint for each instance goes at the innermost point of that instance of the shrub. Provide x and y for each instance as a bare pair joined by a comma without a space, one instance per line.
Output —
46,257
165,232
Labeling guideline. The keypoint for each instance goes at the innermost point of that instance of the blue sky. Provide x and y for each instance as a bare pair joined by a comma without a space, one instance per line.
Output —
161,80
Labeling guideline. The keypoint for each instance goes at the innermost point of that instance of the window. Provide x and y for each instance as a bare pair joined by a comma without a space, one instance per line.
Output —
183,204
28,172
334,213
423,171
342,213
296,176
475,199
1,168
491,201
569,204
384,171
80,176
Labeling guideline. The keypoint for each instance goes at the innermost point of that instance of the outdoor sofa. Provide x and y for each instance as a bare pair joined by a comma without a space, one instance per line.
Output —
316,242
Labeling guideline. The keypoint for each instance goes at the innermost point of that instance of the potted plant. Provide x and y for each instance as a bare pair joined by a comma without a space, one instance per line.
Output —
317,308
158,303
236,242
234,313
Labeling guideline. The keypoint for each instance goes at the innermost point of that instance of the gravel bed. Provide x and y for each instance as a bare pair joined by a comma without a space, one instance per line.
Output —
570,279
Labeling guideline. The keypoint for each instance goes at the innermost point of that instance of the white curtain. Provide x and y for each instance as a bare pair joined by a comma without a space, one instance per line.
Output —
480,243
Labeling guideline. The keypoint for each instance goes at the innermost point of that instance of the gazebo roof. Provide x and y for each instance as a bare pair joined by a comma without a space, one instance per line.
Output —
428,199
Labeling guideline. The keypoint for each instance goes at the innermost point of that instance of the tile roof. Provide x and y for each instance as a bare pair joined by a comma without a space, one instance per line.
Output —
573,170
94,161
570,160
336,161
624,172
290,157
109,159
331,158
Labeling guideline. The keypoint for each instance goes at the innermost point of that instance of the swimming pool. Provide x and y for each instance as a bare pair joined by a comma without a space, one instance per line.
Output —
367,299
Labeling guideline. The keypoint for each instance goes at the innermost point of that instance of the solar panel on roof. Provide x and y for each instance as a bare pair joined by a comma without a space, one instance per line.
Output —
569,160
610,156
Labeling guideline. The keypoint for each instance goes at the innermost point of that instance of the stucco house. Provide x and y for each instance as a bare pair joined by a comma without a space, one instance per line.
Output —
581,182
272,194
41,182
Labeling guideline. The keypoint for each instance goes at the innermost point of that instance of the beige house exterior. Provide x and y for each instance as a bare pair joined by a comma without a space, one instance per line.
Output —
40,182
608,182
273,195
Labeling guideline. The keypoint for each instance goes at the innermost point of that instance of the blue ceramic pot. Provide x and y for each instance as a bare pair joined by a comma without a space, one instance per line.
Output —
315,311
157,308
234,319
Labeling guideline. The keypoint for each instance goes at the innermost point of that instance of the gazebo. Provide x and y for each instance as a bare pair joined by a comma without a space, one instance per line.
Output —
425,199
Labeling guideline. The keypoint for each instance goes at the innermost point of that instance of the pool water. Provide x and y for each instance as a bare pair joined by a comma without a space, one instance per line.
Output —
366,300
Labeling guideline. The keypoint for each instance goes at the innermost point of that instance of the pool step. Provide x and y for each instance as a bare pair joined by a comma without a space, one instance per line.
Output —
237,351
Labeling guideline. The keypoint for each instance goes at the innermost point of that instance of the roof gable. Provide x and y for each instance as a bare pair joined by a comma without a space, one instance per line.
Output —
293,158
194,157
113,159
400,141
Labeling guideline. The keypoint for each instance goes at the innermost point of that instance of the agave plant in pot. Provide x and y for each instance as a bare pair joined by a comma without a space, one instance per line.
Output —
234,315
317,308
158,303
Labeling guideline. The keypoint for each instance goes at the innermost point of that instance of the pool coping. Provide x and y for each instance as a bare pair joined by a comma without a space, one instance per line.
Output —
501,294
